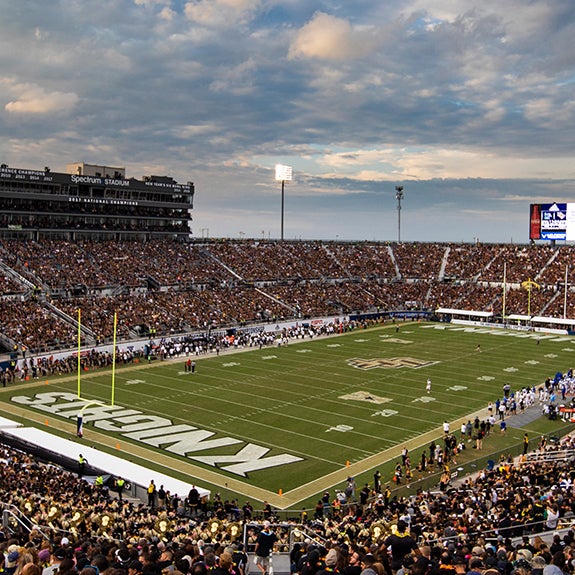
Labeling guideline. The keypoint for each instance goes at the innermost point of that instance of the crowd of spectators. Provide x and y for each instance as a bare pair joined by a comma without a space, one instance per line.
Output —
35,327
419,260
465,261
10,286
462,529
365,260
167,287
267,261
103,264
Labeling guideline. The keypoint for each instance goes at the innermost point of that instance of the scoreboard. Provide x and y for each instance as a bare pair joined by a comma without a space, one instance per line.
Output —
552,221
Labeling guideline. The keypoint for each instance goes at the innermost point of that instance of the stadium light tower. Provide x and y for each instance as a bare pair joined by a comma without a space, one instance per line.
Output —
283,175
399,197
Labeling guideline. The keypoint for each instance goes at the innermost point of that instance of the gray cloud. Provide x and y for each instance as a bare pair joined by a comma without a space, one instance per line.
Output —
470,107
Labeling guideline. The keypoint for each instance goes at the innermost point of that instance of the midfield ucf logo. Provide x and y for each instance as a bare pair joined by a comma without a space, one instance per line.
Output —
389,362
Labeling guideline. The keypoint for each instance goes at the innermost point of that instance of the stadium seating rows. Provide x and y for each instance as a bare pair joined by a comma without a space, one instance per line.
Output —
71,518
169,287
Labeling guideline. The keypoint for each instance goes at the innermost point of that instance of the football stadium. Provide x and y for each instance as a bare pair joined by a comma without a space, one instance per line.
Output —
163,394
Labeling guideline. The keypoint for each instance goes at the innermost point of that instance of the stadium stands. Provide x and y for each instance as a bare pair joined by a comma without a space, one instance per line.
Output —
165,287
56,509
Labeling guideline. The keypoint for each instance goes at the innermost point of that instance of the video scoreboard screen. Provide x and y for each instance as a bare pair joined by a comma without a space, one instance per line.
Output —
552,222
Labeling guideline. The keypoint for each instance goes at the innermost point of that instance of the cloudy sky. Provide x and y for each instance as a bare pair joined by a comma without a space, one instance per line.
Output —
468,105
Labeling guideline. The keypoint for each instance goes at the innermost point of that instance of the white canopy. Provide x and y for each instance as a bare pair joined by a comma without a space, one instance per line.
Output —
464,312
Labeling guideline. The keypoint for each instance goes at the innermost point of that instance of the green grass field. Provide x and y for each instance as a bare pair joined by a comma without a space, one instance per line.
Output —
303,416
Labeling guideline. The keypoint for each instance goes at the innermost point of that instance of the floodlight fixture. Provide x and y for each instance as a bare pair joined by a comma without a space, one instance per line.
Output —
283,173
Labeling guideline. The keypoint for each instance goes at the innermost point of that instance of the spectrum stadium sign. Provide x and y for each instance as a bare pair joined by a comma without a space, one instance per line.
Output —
552,222
48,177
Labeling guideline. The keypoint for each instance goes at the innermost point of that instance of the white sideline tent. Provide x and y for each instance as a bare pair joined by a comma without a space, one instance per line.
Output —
464,312
553,320
107,463
519,317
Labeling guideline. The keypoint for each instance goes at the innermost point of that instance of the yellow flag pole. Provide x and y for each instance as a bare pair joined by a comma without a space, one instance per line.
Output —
114,357
79,349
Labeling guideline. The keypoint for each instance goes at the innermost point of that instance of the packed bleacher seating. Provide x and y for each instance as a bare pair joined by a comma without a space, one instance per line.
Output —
494,520
10,286
164,287
418,260
365,260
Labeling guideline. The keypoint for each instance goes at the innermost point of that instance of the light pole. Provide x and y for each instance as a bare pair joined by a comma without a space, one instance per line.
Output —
399,197
283,175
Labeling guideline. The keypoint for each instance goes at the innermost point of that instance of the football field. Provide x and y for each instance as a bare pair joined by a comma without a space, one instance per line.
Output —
297,419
